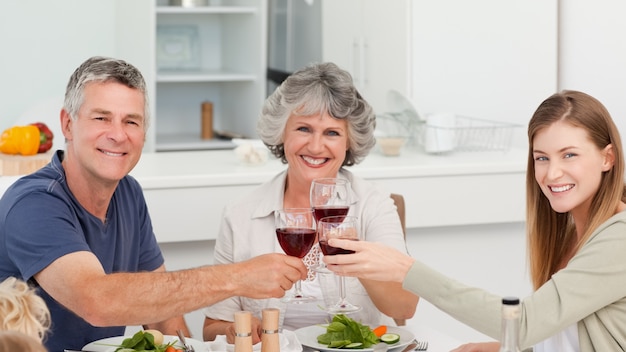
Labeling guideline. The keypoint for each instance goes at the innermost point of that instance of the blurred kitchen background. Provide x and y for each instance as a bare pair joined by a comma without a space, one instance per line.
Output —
484,58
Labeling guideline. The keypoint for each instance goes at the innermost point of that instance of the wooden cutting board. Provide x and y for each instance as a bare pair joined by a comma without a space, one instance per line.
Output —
12,165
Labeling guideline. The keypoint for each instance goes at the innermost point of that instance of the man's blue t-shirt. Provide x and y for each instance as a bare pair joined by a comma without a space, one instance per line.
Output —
40,221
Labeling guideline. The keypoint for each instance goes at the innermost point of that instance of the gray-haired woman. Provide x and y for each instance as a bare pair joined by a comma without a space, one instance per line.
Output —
317,123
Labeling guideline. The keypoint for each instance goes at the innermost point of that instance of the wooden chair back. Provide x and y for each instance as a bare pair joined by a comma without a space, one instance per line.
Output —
398,199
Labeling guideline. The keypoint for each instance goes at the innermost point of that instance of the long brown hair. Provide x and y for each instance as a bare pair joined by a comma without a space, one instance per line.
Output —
549,233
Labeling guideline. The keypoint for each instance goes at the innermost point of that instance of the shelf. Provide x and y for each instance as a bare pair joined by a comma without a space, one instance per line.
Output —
203,76
183,142
205,9
213,53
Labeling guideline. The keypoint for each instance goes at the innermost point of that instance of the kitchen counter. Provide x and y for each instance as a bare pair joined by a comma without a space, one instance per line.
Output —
221,167
186,191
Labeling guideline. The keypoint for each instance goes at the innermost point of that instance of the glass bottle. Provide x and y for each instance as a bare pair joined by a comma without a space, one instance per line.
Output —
509,341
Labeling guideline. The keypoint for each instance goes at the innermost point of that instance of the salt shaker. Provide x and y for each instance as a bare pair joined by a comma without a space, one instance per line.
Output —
243,331
269,337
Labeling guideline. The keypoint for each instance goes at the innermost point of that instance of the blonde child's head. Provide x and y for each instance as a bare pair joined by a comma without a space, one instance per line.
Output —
21,309
18,341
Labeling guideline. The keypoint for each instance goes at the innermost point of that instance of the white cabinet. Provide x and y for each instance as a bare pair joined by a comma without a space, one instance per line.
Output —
370,39
191,55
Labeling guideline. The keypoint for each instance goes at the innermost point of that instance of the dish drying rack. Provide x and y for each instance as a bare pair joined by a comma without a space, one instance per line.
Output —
443,133
473,134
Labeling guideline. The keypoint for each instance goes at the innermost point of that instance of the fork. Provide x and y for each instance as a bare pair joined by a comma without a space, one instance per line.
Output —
421,345
186,347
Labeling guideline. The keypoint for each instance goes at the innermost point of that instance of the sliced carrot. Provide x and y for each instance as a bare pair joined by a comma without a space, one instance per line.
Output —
380,331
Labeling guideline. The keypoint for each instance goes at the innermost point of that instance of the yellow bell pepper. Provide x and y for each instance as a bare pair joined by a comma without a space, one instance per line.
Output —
20,140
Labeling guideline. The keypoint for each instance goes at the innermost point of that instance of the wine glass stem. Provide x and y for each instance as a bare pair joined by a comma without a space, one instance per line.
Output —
342,291
298,293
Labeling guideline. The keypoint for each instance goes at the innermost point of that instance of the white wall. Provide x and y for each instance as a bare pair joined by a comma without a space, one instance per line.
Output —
592,54
42,43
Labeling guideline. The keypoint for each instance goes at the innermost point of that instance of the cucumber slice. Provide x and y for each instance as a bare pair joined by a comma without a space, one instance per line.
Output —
354,345
390,338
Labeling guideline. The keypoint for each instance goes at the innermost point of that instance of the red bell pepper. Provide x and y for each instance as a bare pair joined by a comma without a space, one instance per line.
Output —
45,137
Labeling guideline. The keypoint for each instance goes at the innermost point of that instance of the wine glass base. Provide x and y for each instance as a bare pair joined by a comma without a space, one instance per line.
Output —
298,299
343,308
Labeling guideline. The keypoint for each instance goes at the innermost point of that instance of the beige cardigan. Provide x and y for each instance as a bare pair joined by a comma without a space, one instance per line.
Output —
591,290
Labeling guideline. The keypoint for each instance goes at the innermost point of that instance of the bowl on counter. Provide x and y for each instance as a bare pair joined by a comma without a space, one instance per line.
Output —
390,146
251,154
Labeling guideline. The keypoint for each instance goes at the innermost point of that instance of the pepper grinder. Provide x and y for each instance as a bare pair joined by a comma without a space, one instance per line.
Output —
207,120
269,337
243,331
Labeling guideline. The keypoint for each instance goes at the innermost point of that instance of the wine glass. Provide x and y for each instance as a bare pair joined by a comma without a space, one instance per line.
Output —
344,227
295,231
329,197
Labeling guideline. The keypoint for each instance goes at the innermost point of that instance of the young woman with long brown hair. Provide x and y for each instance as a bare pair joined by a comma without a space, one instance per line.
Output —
576,230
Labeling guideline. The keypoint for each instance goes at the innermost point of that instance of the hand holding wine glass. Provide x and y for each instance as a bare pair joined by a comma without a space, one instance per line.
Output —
295,231
344,227
374,261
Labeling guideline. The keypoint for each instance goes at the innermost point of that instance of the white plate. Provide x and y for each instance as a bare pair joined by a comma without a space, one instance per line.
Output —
308,337
111,343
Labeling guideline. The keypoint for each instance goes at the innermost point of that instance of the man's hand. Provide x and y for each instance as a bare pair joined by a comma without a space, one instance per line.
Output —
268,275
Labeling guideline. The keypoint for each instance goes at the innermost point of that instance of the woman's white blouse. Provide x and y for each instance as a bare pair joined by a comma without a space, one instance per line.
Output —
564,341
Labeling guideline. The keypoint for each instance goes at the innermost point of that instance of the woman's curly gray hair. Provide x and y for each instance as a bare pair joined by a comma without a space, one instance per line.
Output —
318,88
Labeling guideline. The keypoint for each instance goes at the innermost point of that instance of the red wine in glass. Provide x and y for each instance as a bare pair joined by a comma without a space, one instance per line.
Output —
330,250
326,211
296,242
341,227
296,234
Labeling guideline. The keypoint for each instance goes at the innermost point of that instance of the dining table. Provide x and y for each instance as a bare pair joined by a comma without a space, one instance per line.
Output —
438,341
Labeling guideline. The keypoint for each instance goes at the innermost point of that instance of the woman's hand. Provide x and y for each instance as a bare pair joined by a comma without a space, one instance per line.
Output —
371,260
256,331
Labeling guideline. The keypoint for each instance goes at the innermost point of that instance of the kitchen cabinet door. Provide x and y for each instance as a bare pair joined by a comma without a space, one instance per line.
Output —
370,39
